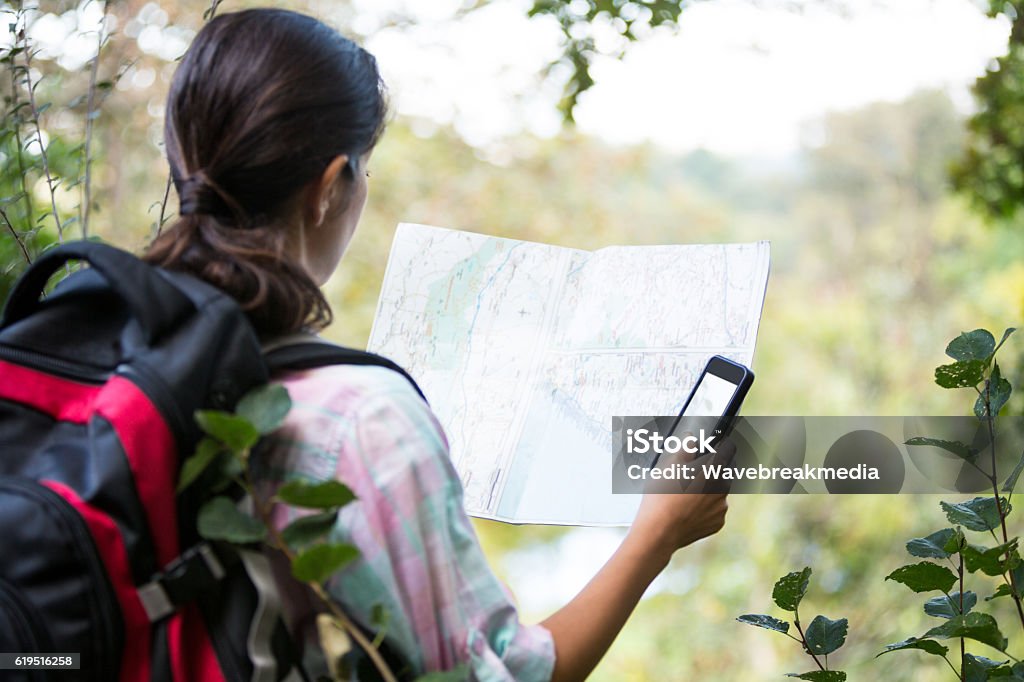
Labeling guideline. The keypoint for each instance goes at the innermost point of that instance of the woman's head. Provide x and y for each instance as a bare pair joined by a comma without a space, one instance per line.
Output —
270,118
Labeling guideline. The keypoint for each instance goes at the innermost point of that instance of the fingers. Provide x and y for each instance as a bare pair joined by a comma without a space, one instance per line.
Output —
689,472
708,470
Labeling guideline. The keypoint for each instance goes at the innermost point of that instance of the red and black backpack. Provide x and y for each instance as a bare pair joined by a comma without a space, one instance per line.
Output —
98,555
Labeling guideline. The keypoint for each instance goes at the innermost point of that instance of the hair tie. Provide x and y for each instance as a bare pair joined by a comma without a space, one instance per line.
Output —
198,194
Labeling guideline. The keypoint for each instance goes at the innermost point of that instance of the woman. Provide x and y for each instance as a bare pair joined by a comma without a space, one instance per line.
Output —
271,119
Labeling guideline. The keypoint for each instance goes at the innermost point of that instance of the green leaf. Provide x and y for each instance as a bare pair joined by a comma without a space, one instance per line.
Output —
979,514
265,407
959,449
990,560
319,495
956,543
926,645
316,564
1011,480
228,468
824,635
220,519
1007,673
820,676
459,673
949,607
933,546
308,529
976,345
205,453
924,577
1001,591
997,391
763,621
963,374
380,619
975,625
976,668
790,589
235,432
1006,335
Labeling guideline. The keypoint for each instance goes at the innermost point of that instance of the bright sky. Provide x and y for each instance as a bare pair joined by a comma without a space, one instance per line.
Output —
737,78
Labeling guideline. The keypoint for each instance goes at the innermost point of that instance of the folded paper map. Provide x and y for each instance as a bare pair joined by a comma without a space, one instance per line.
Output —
526,351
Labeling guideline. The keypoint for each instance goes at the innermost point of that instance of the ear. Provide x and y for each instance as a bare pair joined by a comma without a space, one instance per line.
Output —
321,190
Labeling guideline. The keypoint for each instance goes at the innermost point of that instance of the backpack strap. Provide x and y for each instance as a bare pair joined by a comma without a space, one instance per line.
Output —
198,569
138,284
306,351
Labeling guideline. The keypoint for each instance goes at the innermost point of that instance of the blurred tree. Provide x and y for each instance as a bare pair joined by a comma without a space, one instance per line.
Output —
627,20
991,171
621,22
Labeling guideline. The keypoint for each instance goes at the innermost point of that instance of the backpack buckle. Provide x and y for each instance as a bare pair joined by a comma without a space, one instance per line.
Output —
155,601
196,570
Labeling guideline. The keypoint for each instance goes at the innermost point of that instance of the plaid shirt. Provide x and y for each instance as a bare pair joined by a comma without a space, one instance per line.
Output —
419,555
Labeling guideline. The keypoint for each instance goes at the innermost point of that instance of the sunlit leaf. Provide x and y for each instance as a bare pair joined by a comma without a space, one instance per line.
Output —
319,562
763,621
220,519
975,345
235,432
318,495
790,589
265,407
924,577
824,635
948,607
977,626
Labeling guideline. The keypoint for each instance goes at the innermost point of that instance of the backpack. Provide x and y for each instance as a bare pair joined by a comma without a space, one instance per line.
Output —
98,555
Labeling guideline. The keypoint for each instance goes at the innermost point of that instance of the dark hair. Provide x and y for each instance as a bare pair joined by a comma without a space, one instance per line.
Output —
261,102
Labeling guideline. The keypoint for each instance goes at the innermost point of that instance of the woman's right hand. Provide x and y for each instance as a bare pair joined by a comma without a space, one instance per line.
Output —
585,627
672,515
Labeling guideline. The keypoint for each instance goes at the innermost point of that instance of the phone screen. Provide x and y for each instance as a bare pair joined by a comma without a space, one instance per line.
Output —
711,398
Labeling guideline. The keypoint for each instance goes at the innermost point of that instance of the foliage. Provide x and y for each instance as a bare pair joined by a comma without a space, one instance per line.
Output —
823,636
628,20
34,218
975,366
225,454
990,171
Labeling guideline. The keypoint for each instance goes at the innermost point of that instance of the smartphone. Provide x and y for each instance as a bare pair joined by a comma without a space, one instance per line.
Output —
718,393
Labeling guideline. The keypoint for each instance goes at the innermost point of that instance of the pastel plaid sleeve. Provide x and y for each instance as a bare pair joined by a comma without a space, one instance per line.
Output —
420,558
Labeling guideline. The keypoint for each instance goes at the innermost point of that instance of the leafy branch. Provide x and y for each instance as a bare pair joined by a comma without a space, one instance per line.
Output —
822,637
91,113
974,366
222,459
37,111
208,14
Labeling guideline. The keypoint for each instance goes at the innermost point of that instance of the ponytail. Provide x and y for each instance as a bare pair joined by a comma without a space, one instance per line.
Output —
251,266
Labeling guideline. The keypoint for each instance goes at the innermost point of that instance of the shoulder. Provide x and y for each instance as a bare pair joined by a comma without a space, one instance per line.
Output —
343,389
367,426
377,402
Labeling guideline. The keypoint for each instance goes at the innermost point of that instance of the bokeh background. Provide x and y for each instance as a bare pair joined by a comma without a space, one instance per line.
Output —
828,128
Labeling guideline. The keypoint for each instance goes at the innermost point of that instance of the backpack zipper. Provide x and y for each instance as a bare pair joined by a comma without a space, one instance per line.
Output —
83,539
141,376
63,368
150,383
